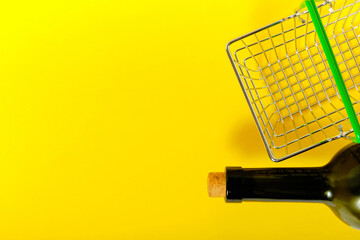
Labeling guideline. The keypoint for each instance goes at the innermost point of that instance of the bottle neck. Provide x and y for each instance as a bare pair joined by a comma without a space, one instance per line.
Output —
277,184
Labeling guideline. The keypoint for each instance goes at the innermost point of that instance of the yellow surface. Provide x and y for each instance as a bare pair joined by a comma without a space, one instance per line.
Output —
113,113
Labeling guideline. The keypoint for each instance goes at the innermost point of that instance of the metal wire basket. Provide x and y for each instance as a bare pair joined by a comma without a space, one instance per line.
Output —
287,82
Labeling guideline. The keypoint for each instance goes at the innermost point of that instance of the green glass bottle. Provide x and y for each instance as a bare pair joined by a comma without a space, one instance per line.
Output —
337,184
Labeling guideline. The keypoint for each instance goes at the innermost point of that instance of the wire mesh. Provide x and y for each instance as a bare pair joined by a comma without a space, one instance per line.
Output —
287,81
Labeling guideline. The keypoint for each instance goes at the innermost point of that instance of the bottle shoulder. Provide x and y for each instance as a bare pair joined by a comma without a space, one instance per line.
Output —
344,180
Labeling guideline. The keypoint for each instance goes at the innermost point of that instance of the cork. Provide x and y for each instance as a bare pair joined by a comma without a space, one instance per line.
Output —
217,184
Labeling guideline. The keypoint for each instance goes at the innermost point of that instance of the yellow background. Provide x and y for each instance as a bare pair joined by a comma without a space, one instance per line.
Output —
114,112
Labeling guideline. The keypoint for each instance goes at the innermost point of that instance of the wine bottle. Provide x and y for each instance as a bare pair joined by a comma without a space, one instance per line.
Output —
336,184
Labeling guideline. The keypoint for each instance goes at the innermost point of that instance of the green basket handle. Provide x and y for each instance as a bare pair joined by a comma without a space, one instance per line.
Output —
334,67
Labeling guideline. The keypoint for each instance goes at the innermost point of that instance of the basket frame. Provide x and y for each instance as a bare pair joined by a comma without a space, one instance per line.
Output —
239,77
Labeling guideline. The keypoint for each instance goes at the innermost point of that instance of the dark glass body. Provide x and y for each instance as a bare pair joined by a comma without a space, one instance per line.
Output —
337,184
